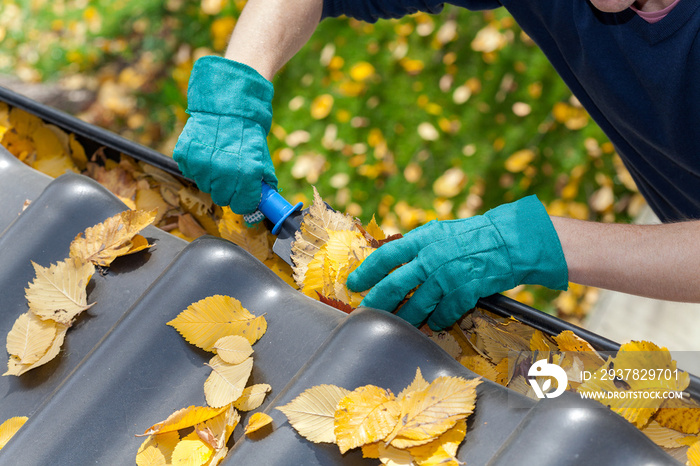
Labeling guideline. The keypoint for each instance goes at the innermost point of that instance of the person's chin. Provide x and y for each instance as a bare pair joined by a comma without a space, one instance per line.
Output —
612,6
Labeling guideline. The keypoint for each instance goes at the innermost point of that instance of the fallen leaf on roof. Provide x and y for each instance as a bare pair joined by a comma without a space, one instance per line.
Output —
226,382
217,316
312,413
114,237
256,422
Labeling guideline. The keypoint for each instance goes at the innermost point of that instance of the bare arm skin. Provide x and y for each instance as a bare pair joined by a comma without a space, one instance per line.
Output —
270,32
656,261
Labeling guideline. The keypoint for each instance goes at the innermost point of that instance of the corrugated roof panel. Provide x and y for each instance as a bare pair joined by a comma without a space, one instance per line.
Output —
123,369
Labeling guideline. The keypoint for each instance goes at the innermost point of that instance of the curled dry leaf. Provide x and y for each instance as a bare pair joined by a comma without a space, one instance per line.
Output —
15,365
256,422
30,338
226,381
206,321
114,237
59,292
312,413
9,428
185,417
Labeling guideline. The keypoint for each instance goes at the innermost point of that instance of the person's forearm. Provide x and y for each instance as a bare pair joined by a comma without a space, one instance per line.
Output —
656,261
270,32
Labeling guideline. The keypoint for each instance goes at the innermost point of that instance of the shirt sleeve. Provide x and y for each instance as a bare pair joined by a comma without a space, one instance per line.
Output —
372,10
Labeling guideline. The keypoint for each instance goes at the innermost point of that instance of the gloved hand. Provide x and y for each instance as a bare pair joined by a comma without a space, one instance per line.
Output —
456,262
223,146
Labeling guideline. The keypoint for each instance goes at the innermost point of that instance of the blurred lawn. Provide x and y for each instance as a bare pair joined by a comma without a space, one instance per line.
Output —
427,117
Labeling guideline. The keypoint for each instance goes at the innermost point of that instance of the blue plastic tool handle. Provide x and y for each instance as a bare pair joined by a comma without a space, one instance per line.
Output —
276,208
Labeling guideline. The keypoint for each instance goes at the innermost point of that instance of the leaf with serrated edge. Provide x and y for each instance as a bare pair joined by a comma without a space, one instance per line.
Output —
59,291
214,317
30,338
15,366
191,451
106,241
680,415
157,450
226,382
185,417
419,383
663,436
366,415
256,422
442,450
252,397
429,413
9,428
312,412
233,349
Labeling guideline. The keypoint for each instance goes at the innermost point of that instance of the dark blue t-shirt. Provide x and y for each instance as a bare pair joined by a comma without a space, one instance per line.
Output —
639,81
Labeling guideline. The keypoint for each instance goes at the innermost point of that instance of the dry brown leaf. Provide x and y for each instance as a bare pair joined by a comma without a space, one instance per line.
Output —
106,241
365,415
206,321
226,382
59,291
312,412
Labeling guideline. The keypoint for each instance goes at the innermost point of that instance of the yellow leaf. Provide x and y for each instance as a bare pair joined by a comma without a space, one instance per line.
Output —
418,384
191,451
694,454
15,366
312,412
30,338
9,428
233,349
519,161
314,233
361,71
541,342
59,292
47,144
392,456
106,241
636,356
157,450
442,450
256,422
226,382
150,200
206,321
680,415
138,243
450,183
252,397
253,239
366,415
321,106
185,417
480,365
77,152
431,412
55,166
375,230
24,123
663,436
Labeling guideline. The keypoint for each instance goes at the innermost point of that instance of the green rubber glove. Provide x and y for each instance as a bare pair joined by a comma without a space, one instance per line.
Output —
456,262
223,146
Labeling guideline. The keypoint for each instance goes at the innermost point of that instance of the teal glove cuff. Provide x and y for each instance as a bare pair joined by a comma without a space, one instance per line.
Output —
535,252
223,146
225,87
